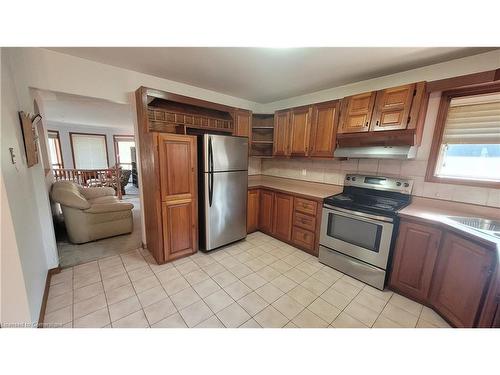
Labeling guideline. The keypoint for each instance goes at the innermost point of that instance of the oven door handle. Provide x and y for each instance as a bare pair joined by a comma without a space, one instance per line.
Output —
355,214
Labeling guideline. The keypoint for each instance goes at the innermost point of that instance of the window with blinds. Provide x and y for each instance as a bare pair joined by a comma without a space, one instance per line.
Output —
89,151
470,147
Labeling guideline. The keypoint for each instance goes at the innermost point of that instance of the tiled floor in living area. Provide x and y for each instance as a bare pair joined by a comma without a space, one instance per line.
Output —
258,282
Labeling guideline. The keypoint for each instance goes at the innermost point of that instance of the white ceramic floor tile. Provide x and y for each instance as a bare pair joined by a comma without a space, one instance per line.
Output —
302,295
89,305
212,322
237,290
124,308
307,319
173,321
324,310
362,313
251,323
252,303
253,281
185,298
270,318
288,306
196,313
119,294
206,288
134,320
151,296
159,310
400,316
344,320
218,300
269,292
233,316
97,319
406,304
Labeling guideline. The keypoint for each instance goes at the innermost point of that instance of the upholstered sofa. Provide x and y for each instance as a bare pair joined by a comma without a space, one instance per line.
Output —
91,213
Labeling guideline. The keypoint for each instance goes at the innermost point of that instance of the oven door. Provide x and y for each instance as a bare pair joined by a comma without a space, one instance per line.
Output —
357,234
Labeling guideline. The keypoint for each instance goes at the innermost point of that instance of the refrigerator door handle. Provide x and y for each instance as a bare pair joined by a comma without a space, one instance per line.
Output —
210,172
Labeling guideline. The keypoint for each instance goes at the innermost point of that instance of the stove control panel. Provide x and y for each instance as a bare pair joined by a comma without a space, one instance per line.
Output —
399,185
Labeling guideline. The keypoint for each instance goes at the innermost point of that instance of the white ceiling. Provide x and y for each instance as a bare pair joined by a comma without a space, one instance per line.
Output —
265,75
81,110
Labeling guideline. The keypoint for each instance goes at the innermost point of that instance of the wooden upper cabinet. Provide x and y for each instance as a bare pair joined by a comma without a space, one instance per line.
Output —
242,123
177,166
356,113
300,125
252,210
392,108
282,220
323,129
281,130
414,259
266,204
461,277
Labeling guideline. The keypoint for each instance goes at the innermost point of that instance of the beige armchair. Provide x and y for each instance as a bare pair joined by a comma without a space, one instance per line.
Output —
92,213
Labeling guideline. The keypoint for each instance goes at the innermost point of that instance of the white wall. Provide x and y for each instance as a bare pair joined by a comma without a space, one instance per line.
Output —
467,65
28,209
65,129
333,171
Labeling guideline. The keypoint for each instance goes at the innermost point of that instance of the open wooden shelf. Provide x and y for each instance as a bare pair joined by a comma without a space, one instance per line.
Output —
262,135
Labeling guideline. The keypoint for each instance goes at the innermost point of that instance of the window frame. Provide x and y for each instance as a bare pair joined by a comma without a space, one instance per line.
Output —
93,134
437,139
58,149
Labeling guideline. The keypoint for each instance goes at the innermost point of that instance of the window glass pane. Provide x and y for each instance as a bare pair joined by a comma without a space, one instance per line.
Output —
53,151
125,153
470,161
89,151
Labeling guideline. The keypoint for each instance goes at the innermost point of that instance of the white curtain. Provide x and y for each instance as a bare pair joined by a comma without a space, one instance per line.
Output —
89,151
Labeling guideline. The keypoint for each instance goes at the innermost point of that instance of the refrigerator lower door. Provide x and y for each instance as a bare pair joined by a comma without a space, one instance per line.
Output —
226,211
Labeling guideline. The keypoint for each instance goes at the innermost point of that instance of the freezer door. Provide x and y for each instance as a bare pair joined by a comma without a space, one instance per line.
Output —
224,153
225,208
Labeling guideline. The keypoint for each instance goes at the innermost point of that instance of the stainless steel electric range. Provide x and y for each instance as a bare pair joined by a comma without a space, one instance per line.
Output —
358,226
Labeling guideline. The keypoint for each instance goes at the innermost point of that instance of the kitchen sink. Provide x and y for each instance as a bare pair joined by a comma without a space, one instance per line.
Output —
491,227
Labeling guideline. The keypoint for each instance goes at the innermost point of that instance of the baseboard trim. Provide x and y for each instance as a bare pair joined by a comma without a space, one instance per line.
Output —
50,272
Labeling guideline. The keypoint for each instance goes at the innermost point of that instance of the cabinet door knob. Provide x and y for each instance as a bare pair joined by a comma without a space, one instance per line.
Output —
377,123
366,124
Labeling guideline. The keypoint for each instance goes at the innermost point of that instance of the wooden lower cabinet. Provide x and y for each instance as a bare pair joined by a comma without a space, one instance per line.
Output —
414,258
266,211
282,218
445,271
289,218
179,229
462,274
252,210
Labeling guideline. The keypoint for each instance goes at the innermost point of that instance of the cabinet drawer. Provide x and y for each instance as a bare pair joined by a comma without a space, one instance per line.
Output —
305,206
304,221
303,237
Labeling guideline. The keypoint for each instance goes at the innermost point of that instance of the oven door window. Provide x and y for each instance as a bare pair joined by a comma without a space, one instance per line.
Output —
355,231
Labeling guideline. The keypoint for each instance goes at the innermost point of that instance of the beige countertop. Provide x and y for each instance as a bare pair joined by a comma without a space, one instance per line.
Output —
311,189
435,211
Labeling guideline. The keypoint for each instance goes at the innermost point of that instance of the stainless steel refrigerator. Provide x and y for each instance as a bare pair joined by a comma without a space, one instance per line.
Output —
223,184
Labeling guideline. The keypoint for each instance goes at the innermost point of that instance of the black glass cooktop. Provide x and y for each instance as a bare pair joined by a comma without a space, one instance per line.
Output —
369,200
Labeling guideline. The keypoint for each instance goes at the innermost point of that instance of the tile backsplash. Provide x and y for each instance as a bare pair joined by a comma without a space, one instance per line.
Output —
334,171
254,166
